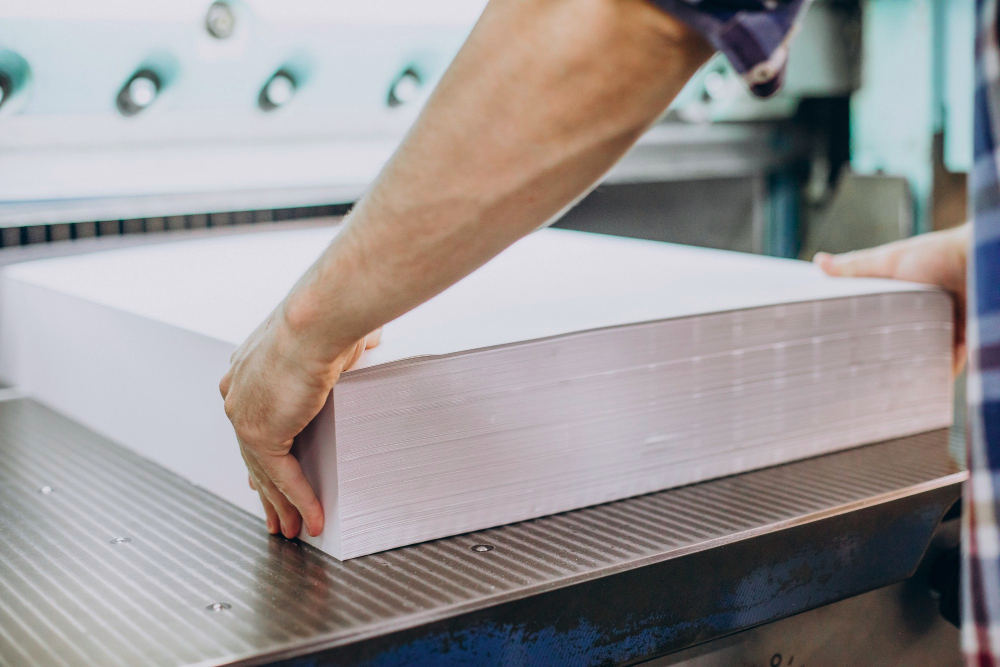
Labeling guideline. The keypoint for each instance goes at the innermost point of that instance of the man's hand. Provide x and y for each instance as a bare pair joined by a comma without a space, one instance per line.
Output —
935,259
273,389
541,101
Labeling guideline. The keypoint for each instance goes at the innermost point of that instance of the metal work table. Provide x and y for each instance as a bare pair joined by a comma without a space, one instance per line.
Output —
107,559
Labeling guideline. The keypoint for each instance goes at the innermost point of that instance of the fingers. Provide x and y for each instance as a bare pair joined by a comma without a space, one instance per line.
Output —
824,260
958,364
271,392
286,475
287,519
936,259
355,356
961,349
366,343
273,523
874,263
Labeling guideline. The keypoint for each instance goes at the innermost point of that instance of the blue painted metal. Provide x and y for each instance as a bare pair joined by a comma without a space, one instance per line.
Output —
665,607
781,232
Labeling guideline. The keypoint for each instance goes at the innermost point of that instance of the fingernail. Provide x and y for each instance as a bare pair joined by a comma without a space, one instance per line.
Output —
270,526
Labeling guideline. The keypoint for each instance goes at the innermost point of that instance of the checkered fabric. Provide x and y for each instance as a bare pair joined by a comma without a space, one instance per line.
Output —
981,544
754,35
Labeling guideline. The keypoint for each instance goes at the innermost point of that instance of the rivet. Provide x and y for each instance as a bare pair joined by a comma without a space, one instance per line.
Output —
219,606
139,92
482,548
119,540
46,490
405,88
220,20
278,91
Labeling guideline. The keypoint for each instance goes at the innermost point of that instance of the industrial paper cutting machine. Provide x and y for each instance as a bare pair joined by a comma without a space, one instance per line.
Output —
108,559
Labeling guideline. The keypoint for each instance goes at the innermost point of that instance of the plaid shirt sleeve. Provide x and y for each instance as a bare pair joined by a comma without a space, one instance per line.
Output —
981,541
754,34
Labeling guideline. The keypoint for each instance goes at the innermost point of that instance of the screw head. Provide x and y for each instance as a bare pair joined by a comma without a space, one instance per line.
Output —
482,548
280,89
142,91
219,606
220,20
139,92
119,540
405,88
45,490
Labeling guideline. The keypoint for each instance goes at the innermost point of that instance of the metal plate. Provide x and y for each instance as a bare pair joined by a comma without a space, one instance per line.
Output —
668,152
895,626
107,559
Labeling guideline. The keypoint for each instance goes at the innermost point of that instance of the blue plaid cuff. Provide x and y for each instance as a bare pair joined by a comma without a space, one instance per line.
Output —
754,34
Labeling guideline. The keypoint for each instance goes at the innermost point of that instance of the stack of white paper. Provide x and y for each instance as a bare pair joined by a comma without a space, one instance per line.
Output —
572,370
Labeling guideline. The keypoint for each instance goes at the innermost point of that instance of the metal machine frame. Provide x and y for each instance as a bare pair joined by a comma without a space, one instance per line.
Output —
108,559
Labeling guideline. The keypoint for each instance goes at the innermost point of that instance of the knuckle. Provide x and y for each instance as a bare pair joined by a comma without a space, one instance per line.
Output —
230,407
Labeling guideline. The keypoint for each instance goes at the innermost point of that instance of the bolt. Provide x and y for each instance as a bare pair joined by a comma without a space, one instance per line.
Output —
405,89
220,20
119,540
277,92
142,91
46,490
482,548
139,92
219,606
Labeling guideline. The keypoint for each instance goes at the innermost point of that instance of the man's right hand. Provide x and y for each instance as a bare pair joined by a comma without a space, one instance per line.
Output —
272,390
541,101
938,259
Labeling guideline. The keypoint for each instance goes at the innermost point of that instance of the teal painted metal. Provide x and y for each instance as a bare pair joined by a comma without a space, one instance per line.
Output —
893,114
959,83
916,82
781,231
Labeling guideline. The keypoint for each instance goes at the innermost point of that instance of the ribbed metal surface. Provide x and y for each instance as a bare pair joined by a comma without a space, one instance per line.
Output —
71,594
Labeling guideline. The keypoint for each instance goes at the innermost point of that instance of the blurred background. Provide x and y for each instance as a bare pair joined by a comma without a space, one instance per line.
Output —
129,116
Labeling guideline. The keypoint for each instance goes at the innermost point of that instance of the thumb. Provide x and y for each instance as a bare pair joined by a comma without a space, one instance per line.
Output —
873,263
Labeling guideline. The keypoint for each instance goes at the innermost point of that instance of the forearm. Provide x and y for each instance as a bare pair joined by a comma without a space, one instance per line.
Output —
541,101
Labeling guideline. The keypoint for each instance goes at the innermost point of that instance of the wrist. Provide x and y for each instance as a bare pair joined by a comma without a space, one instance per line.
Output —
324,314
304,333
